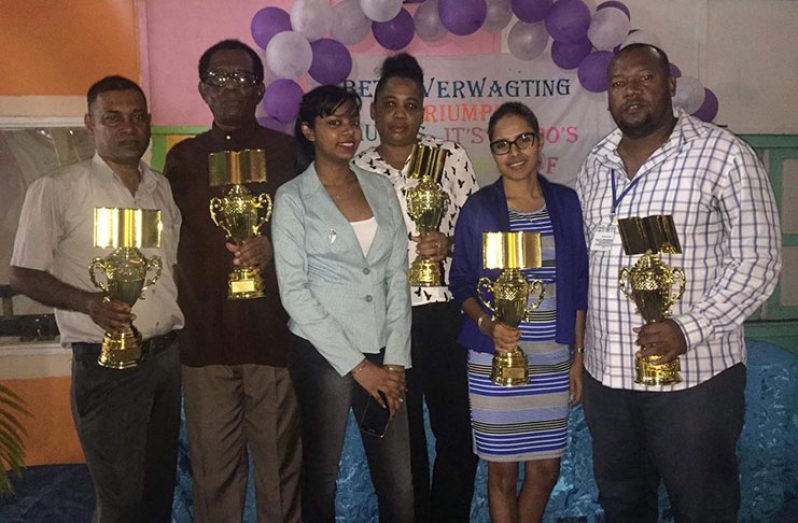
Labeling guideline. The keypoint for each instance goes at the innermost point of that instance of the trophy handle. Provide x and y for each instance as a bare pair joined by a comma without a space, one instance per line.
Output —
623,278
677,274
98,263
217,215
535,287
485,285
261,201
154,264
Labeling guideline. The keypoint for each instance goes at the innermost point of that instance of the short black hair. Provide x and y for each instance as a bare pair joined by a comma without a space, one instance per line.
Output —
401,65
319,102
111,83
513,109
662,56
225,45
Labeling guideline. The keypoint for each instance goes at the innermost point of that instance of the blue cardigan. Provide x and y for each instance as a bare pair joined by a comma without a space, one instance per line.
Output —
486,211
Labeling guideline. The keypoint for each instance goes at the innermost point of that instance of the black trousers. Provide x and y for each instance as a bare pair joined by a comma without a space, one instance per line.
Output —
324,398
439,375
686,438
128,422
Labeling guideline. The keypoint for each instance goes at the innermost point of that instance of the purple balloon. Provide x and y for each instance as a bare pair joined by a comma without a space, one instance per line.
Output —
709,109
675,71
592,71
531,11
282,100
268,22
616,5
396,33
570,55
462,17
568,21
331,63
274,124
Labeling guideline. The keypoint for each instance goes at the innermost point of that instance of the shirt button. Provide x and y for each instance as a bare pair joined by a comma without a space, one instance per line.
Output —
369,298
366,270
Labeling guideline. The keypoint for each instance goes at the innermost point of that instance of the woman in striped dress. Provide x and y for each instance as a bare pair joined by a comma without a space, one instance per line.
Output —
528,423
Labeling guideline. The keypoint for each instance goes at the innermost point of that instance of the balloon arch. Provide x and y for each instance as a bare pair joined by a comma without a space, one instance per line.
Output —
584,36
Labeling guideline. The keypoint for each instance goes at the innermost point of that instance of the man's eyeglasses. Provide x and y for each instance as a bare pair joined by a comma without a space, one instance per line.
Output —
230,79
522,141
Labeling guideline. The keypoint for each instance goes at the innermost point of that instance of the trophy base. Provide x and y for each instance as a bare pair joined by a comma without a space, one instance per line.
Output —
120,352
649,371
510,368
245,283
425,273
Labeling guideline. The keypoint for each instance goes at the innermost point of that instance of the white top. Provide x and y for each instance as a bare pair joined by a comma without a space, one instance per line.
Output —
56,235
365,231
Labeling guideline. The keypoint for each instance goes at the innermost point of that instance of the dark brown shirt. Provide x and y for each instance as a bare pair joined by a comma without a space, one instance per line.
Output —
219,331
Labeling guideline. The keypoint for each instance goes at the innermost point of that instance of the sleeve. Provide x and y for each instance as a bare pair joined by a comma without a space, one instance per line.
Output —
171,229
40,226
580,255
466,267
398,315
463,179
291,264
749,273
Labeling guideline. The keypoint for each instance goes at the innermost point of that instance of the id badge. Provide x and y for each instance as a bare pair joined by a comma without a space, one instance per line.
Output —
605,237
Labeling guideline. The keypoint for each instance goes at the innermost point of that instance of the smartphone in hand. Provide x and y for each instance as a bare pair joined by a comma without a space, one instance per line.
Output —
375,418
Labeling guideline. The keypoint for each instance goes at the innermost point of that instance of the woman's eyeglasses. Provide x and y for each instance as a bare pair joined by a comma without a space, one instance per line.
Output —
522,141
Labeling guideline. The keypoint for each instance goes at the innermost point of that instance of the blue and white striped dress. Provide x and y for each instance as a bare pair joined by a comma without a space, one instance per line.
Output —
527,422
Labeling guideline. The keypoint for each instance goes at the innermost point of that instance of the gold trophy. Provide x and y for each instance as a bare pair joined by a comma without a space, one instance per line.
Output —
125,269
238,212
650,284
426,203
512,294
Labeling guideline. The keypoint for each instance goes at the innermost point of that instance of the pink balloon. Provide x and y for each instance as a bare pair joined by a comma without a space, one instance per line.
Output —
268,22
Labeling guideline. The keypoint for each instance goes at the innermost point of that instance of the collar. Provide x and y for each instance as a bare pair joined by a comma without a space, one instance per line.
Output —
101,168
372,160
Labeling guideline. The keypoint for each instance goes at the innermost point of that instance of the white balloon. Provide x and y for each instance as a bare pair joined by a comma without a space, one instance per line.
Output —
499,14
608,28
289,54
312,18
690,94
381,10
428,23
527,41
350,24
642,36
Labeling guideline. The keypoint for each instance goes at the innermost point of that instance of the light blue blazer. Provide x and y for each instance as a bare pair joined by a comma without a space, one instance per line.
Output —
346,304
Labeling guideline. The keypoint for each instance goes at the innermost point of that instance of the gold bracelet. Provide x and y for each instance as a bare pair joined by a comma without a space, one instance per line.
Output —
579,350
360,366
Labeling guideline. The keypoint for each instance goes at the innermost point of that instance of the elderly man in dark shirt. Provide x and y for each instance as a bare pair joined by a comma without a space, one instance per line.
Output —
238,393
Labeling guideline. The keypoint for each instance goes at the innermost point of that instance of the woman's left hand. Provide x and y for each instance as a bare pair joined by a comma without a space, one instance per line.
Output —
433,245
575,380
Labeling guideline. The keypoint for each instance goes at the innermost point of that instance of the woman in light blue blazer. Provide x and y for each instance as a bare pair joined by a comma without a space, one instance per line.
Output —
340,245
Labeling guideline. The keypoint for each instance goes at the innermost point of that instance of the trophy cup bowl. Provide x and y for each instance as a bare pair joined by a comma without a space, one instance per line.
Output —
426,203
239,213
514,298
649,284
125,271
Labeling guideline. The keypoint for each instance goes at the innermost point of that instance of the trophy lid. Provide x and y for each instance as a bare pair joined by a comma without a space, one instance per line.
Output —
656,233
427,161
237,167
133,228
511,250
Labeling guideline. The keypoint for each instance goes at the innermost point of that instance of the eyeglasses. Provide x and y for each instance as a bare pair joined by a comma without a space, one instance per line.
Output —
522,141
231,79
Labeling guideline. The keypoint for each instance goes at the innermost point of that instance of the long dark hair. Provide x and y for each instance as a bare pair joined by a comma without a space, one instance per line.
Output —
320,102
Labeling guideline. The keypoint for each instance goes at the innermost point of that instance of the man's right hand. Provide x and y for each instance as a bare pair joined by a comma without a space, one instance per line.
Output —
112,315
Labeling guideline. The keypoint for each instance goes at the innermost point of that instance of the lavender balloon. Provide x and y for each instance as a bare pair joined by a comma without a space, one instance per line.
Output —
675,71
268,22
616,5
689,94
498,15
527,41
331,63
428,24
641,36
394,34
312,18
282,100
570,55
381,10
350,24
288,54
270,122
592,71
568,21
709,109
608,28
531,11
462,17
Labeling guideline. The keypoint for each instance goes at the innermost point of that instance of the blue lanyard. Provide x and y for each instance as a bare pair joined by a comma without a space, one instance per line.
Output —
616,199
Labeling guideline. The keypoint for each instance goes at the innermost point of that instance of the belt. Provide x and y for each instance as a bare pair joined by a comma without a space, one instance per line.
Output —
149,347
